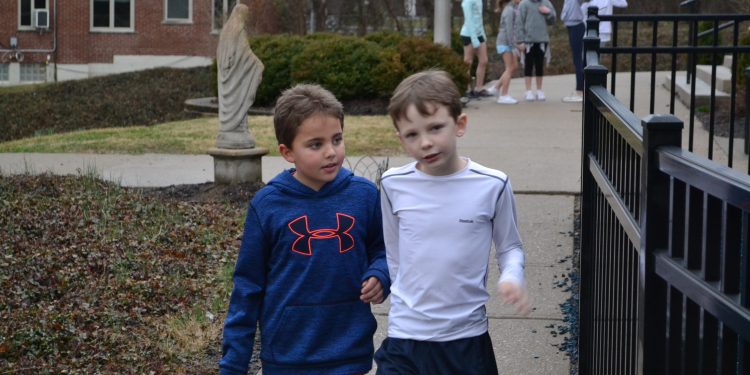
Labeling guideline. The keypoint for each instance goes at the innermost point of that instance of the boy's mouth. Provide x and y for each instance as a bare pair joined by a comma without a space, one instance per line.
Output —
431,157
330,167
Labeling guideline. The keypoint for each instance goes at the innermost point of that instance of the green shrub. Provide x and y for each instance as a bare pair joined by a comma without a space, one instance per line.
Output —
343,65
138,98
276,52
385,39
351,67
419,54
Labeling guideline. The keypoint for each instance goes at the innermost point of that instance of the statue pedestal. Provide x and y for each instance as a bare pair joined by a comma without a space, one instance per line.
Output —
236,166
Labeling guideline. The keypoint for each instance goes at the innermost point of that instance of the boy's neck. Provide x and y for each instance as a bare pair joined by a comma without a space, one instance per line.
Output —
455,166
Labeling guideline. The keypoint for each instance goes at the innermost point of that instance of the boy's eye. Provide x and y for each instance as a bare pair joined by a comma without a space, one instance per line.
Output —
410,135
435,128
338,140
315,145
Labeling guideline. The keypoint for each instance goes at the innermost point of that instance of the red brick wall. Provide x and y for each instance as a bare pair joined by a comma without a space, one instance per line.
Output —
76,44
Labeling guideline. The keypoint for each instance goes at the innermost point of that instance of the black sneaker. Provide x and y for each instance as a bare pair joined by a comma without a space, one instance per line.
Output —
484,93
472,94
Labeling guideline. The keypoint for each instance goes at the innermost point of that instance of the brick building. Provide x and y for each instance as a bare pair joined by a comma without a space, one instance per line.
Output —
56,40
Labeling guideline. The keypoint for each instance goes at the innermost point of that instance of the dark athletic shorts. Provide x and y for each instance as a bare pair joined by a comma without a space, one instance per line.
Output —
467,40
469,356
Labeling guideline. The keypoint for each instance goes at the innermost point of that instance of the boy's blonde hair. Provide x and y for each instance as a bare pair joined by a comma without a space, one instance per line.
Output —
297,104
425,90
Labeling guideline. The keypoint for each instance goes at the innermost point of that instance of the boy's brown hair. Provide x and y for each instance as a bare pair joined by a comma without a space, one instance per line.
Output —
425,90
299,103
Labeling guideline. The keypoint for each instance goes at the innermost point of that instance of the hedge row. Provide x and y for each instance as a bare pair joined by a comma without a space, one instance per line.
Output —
128,99
351,67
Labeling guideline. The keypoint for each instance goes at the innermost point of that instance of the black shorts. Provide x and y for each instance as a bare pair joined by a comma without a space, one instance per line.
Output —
467,40
469,356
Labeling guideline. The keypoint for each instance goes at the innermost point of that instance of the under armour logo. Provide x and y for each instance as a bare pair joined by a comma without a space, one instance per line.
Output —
303,244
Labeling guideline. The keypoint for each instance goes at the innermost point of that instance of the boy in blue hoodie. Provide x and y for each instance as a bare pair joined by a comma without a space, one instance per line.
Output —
312,256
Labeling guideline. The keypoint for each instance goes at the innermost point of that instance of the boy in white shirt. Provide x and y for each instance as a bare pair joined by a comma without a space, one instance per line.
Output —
441,215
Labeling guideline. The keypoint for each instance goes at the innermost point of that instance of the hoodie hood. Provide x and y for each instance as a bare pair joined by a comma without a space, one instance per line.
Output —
286,182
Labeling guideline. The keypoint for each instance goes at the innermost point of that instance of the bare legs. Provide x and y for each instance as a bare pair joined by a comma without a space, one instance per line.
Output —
511,64
481,53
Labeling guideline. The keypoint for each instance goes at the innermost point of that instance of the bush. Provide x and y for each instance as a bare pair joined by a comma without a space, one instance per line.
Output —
343,65
419,54
351,67
138,98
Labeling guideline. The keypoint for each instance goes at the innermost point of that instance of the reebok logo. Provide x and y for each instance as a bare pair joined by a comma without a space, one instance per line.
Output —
466,221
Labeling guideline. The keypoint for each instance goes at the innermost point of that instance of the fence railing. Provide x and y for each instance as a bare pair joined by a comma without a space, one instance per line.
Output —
673,43
665,274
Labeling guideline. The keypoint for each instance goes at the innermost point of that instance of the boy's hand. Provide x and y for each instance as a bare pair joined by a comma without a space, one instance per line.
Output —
543,9
372,291
514,294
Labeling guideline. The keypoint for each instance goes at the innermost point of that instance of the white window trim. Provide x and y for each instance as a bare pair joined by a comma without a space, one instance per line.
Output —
187,20
225,14
31,26
112,29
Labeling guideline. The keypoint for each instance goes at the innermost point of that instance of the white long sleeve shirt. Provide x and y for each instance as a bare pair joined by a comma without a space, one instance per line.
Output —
605,9
438,232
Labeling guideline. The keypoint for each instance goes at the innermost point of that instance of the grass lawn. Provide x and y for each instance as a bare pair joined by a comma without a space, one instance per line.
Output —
364,135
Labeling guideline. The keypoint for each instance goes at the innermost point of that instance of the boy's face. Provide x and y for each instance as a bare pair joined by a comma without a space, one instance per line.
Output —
431,140
317,150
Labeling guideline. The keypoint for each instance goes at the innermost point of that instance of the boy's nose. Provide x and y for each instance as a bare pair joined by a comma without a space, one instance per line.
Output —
426,142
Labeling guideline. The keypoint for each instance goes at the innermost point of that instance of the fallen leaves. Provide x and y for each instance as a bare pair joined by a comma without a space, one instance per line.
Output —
91,273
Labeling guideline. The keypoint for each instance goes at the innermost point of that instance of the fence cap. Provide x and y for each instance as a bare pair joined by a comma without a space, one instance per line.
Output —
662,122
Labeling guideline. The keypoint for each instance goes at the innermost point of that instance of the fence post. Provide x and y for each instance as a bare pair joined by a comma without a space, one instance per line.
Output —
658,130
747,111
594,75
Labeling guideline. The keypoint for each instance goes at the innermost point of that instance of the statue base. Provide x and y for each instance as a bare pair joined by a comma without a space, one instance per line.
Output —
236,166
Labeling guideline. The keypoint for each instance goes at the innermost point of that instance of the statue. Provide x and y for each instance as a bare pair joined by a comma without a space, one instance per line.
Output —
236,159
239,74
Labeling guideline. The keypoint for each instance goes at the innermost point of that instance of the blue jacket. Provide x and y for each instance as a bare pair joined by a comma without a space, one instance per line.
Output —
299,273
473,26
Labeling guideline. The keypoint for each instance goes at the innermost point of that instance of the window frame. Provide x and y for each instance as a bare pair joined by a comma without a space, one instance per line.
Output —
187,20
32,6
226,11
112,28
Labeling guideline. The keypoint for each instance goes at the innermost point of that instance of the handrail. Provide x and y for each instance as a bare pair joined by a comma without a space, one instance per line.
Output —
721,27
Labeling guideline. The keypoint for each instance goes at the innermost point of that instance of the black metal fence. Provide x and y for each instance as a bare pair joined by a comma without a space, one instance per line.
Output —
681,45
665,274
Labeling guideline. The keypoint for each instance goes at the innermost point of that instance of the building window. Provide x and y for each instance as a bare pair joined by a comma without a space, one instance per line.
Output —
180,11
4,72
26,10
112,15
222,10
33,72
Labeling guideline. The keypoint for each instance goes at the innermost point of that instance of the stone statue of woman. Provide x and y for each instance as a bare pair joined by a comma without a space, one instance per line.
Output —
239,74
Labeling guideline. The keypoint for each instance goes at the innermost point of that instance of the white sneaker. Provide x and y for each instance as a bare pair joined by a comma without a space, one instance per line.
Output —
540,96
574,98
506,99
530,96
492,90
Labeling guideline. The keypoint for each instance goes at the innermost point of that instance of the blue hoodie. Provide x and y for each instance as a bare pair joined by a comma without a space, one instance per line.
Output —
299,273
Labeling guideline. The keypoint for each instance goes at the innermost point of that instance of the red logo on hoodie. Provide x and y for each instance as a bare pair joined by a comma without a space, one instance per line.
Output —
303,243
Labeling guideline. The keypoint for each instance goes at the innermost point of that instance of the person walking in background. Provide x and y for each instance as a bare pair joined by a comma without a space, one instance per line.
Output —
507,40
572,16
605,9
475,44
535,16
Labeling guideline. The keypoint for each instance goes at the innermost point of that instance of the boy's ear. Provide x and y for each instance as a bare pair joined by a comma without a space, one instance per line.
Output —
461,123
286,153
